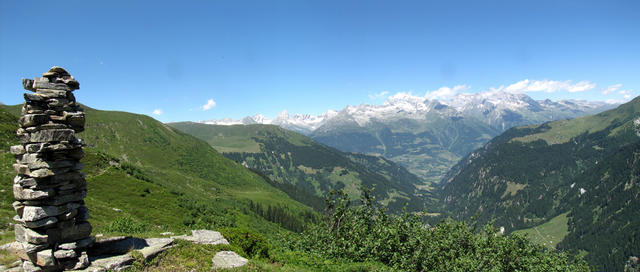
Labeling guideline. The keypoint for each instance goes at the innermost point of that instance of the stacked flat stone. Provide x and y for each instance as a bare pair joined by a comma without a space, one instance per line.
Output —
51,230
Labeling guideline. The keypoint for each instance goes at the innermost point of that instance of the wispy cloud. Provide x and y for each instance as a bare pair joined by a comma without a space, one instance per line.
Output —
614,101
210,104
549,86
445,92
611,89
157,111
626,93
382,94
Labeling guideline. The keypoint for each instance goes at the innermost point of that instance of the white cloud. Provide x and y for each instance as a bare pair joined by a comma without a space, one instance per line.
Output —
548,86
614,101
157,111
611,89
581,87
382,94
445,92
210,104
625,93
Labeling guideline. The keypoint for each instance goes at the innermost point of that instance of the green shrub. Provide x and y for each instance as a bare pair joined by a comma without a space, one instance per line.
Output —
126,225
367,233
253,244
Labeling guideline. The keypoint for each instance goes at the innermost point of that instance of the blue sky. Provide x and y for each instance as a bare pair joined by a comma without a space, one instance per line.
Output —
251,57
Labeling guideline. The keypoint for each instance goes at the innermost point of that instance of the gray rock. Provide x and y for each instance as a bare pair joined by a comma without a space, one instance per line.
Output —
22,169
228,259
27,84
26,235
45,258
52,135
77,244
69,233
58,200
83,214
21,193
29,158
44,83
57,102
33,148
31,97
207,237
56,71
17,149
114,263
29,120
24,181
156,246
52,93
116,245
18,207
34,213
64,254
38,223
83,261
39,173
30,267
69,215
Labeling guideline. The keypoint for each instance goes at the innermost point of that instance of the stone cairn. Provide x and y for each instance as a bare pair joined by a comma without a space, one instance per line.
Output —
52,231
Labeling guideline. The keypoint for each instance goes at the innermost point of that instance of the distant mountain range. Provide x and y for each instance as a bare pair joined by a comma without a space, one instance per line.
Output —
426,136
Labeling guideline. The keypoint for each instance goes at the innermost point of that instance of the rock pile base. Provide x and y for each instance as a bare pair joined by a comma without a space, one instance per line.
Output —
51,230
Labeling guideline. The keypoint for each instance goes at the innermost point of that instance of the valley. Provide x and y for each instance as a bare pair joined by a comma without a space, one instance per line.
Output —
293,160
425,136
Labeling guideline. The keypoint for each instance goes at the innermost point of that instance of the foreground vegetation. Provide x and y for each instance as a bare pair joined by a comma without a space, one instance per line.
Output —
367,233
364,237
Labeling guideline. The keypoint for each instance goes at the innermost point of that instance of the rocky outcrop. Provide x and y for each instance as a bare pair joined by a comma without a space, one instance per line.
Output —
207,237
51,231
228,259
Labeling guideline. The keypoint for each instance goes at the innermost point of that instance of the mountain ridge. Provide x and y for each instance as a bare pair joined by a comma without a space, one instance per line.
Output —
587,168
290,158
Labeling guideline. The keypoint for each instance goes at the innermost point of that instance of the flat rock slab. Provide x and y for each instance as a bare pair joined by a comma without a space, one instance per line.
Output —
110,263
111,254
156,246
207,237
228,259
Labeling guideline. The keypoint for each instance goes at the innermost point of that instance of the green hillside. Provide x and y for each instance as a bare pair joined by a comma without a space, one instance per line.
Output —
290,158
588,167
140,168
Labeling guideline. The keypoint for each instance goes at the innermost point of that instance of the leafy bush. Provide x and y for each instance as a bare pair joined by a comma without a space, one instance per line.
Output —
126,224
253,244
367,233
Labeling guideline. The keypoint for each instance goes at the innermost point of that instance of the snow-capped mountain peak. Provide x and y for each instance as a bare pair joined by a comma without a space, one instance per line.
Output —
493,107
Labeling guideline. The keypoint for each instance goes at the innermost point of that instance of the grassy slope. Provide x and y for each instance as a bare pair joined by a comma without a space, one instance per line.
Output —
292,158
164,177
550,233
